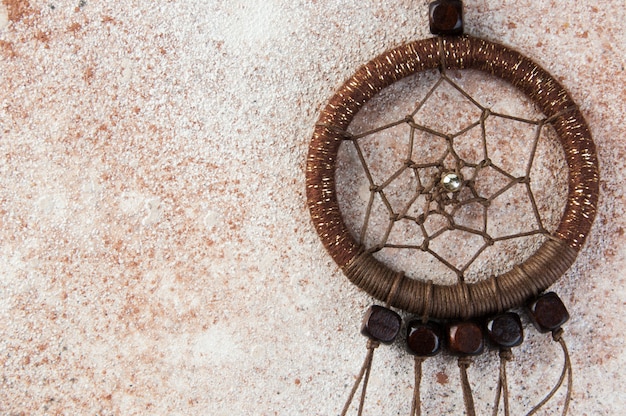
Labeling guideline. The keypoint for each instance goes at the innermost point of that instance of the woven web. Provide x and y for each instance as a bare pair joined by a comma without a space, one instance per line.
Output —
398,166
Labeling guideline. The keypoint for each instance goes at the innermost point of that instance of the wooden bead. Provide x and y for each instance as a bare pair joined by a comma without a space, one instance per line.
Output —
381,324
465,338
505,330
424,339
446,17
548,312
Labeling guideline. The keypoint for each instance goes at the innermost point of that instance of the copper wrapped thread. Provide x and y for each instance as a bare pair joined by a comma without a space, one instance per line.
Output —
462,300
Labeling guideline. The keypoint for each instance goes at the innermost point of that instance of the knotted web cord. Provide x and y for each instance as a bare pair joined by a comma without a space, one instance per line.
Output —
439,204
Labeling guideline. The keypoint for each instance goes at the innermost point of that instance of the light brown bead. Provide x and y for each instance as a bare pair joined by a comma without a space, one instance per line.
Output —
465,338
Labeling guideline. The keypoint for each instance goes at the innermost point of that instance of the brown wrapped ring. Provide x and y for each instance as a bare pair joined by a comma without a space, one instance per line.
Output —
462,300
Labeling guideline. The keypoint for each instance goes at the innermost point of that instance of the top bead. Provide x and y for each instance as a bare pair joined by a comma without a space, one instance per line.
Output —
446,17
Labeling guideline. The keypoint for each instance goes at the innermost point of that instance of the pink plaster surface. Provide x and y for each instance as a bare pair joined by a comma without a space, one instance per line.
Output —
156,252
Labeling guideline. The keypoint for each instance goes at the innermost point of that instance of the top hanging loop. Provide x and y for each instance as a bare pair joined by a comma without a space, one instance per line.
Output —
446,17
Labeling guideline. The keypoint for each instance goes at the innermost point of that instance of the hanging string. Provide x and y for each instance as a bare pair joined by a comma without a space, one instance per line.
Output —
464,363
570,380
502,391
416,406
364,375
557,336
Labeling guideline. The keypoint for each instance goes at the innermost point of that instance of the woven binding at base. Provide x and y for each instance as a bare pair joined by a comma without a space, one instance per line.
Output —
462,300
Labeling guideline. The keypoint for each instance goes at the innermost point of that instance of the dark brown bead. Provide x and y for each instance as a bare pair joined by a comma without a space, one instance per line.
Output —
505,330
446,17
381,324
424,339
465,338
548,312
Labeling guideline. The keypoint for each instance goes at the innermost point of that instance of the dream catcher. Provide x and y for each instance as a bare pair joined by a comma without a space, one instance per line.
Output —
427,192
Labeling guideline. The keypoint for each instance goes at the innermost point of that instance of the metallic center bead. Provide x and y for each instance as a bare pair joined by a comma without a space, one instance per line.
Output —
451,182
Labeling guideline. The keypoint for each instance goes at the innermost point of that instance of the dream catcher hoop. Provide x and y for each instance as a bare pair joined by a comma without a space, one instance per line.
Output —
460,316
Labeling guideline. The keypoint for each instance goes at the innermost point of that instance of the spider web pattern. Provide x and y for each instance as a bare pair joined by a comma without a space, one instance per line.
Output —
412,198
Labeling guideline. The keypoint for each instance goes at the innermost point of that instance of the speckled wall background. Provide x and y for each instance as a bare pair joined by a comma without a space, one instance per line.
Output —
156,252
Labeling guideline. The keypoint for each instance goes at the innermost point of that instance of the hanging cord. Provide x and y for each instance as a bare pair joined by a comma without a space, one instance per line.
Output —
364,375
416,406
557,336
502,390
464,363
